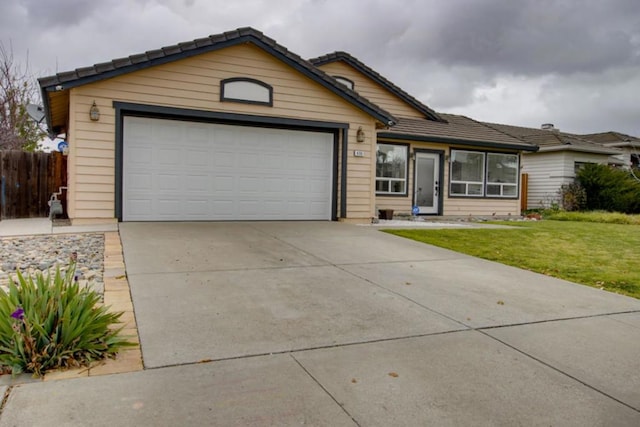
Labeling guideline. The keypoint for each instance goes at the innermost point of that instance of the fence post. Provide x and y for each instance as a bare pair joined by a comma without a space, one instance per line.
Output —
524,191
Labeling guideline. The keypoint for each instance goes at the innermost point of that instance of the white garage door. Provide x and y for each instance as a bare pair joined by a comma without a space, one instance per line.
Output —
177,170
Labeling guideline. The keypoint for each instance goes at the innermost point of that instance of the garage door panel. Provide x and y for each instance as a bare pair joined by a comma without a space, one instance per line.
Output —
140,155
168,183
140,206
197,184
140,182
176,170
197,208
197,158
223,184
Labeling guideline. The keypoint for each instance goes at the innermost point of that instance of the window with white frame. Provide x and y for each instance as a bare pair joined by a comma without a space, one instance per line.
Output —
502,175
480,174
467,173
391,169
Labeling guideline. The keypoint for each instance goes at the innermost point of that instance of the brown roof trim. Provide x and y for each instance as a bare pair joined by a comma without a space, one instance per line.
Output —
116,67
378,78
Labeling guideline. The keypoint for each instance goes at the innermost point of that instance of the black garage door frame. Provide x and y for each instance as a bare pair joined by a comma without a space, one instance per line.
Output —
339,131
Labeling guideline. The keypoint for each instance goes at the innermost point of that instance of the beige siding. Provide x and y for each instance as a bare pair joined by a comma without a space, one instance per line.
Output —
481,207
452,206
194,83
372,90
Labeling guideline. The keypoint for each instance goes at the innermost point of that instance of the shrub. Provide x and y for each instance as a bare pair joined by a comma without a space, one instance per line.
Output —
573,197
609,189
49,322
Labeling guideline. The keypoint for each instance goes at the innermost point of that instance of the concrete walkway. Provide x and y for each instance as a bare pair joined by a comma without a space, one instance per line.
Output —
332,324
37,226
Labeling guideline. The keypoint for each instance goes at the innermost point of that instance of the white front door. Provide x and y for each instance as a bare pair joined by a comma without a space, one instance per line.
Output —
426,183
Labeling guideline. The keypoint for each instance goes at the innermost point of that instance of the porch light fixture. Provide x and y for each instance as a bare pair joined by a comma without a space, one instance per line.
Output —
360,135
94,112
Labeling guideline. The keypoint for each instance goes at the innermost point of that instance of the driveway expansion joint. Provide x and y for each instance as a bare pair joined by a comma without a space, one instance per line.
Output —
301,350
560,371
5,398
341,405
559,319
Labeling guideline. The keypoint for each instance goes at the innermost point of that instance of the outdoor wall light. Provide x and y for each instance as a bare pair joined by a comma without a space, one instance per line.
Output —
94,112
360,135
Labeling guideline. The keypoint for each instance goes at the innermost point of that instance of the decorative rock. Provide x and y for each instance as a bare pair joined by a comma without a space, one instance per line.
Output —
8,266
46,253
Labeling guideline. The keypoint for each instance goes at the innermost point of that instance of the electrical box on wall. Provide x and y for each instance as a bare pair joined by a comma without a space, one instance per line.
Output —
358,153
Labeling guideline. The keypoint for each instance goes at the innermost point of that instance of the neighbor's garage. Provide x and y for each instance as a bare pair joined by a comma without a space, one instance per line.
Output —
177,170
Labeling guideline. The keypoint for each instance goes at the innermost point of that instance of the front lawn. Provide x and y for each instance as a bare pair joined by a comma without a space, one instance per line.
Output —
605,256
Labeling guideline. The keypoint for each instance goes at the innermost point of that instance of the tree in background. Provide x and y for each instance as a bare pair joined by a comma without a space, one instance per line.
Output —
17,89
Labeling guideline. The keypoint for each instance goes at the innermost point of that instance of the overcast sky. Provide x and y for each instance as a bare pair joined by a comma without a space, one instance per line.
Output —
574,63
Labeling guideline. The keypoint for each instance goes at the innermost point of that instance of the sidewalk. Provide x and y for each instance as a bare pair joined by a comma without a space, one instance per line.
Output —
36,226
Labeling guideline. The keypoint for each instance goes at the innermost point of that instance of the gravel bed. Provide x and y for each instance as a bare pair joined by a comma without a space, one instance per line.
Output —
45,253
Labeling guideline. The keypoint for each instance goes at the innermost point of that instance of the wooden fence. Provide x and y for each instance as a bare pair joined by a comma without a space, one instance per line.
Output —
27,181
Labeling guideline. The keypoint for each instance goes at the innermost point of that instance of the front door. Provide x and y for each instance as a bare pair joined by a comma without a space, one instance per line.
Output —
427,184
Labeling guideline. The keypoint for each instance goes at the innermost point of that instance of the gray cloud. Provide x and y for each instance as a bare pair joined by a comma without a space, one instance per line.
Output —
59,13
571,62
531,36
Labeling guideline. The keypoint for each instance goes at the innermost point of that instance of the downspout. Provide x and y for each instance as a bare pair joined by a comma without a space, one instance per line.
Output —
343,173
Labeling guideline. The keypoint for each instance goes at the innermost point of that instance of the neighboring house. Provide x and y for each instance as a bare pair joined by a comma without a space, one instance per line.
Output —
630,145
555,164
236,127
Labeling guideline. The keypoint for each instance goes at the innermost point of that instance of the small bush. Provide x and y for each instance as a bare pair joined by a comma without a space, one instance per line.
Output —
609,189
573,197
49,322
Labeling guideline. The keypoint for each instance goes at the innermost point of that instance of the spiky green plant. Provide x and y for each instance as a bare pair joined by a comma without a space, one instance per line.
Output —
50,321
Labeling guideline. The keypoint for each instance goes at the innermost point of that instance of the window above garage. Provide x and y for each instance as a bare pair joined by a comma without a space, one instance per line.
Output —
345,81
246,90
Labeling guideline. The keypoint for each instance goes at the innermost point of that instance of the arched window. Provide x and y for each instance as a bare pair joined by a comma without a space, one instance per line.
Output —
345,81
243,89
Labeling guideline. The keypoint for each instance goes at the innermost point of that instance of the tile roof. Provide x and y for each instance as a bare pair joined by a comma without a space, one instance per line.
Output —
377,77
613,139
455,129
553,140
105,70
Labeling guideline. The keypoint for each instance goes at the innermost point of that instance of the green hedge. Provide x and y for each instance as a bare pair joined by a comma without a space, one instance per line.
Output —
609,189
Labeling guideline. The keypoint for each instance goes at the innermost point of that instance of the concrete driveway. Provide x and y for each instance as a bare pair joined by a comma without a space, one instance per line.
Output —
333,324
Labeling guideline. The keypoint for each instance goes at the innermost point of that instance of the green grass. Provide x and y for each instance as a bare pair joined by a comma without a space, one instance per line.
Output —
595,216
605,256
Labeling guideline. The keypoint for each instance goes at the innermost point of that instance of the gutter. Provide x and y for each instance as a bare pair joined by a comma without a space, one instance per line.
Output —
580,150
472,142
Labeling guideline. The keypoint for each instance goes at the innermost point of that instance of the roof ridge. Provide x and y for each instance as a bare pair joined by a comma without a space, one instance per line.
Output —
379,78
492,126
80,76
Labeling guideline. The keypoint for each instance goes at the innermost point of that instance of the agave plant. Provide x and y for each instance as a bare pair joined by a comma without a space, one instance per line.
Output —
50,321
